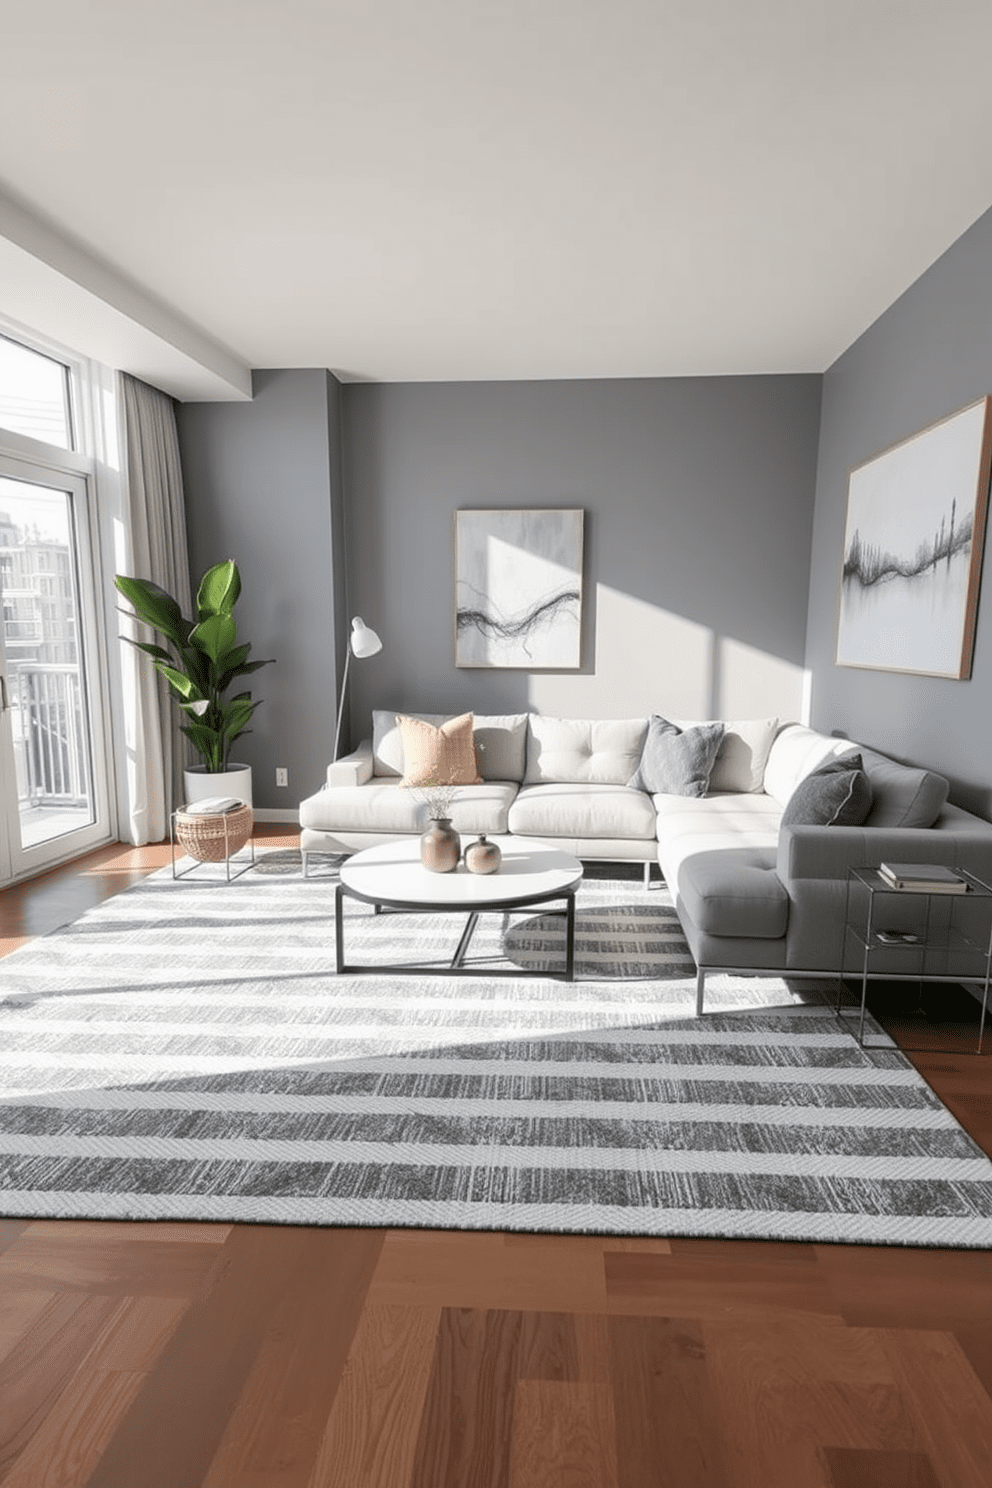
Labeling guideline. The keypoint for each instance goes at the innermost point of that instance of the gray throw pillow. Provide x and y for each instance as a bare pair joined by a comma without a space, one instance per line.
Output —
677,762
838,794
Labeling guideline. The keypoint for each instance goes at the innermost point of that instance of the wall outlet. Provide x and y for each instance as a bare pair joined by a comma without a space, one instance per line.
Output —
282,775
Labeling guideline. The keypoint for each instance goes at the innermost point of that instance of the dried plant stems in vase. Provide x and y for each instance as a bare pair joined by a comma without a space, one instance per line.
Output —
440,845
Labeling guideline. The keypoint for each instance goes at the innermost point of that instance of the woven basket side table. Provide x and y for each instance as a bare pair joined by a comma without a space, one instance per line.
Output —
212,838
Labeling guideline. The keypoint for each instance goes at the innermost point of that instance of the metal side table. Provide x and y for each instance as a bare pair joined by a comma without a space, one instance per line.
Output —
903,935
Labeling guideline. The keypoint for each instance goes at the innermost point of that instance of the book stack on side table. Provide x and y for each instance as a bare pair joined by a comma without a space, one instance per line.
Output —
922,878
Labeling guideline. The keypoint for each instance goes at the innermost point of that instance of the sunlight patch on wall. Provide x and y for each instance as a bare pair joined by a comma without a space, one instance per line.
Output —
754,684
644,660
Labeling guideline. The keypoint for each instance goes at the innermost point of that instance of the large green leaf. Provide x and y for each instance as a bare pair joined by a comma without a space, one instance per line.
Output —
207,743
178,681
215,637
237,716
219,589
157,653
155,607
228,676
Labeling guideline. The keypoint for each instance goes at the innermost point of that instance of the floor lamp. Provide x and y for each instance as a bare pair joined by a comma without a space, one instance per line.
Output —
362,642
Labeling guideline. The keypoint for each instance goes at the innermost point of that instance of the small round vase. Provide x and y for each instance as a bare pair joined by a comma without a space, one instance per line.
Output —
482,856
440,846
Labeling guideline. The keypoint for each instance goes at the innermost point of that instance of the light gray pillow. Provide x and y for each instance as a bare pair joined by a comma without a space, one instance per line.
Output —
838,794
677,762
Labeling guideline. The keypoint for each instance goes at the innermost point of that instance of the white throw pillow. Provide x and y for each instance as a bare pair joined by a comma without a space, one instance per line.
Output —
796,753
740,764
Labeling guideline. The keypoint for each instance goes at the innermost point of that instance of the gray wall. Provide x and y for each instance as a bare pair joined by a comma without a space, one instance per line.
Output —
262,483
698,497
928,355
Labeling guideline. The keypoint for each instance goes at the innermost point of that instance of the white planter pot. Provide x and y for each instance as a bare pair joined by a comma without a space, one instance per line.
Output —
234,781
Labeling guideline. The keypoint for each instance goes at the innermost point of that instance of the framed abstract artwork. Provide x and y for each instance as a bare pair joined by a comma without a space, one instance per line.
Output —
916,517
518,588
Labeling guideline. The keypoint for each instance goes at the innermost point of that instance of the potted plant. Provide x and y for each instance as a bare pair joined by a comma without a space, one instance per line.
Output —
201,662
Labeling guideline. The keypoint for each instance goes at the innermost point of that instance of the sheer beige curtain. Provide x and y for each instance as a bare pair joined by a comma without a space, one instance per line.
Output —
157,550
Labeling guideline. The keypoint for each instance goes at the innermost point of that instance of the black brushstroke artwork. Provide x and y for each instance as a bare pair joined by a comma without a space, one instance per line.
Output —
519,627
869,564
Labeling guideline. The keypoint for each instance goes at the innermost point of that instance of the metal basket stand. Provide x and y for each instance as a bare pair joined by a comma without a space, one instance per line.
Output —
213,839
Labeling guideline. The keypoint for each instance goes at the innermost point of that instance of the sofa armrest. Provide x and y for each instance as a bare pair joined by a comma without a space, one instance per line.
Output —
828,852
354,768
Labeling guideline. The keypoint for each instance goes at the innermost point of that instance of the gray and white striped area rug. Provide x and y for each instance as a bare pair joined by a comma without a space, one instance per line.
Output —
185,1052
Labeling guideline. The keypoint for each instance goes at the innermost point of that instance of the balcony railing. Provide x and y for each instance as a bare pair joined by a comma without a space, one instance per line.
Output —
51,746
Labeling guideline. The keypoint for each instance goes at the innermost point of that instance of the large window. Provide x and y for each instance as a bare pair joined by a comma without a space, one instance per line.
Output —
34,395
54,766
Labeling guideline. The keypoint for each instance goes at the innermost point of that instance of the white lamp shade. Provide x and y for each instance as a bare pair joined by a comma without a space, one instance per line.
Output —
364,642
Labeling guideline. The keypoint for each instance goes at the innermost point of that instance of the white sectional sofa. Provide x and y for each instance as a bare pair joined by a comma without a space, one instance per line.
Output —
751,894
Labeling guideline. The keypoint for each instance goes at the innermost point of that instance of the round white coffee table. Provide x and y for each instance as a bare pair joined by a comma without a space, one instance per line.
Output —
393,877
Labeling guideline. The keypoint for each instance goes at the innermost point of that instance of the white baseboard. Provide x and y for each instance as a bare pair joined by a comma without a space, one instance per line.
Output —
277,814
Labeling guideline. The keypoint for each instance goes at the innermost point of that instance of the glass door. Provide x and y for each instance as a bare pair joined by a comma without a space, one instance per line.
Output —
54,801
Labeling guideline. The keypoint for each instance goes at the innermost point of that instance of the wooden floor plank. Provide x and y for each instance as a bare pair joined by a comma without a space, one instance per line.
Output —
198,1378
667,1426
102,1232
275,1430
135,1334
115,1265
853,1467
892,1287
682,1286
11,1230
794,1385
467,1426
479,1272
953,1410
563,1433
41,1364
592,1348
549,1348
66,1449
18,1312
372,1432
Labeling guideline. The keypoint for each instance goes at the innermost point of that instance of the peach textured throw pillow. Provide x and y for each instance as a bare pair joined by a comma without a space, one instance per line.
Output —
442,755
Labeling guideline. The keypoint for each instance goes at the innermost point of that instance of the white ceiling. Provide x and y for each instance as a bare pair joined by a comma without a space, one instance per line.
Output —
463,189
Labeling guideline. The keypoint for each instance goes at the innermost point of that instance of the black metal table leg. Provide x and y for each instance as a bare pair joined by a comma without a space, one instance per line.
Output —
459,956
570,938
338,929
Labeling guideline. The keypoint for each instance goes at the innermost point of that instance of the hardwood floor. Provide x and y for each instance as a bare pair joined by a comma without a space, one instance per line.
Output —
181,1355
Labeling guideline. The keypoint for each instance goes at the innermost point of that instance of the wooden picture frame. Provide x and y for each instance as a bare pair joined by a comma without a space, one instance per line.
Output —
518,588
913,546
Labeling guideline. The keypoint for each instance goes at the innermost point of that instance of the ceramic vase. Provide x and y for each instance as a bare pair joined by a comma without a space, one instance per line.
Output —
482,856
440,846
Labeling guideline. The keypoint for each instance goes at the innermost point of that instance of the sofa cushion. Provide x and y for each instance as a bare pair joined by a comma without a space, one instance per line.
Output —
573,810
735,891
677,761
500,740
743,753
796,752
700,824
577,751
838,794
501,745
385,806
438,754
902,795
